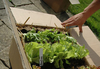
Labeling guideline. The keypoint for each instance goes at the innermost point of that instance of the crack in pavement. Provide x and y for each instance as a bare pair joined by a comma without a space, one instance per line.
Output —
2,8
5,24
19,5
12,2
24,4
5,64
3,61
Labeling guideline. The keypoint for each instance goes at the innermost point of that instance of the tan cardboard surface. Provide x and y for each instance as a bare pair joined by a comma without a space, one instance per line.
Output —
37,18
90,41
15,56
89,60
23,59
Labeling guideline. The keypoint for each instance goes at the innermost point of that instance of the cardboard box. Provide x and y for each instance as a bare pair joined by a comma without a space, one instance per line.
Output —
17,55
86,38
60,5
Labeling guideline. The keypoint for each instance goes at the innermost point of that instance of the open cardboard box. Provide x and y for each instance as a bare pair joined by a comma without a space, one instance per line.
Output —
17,55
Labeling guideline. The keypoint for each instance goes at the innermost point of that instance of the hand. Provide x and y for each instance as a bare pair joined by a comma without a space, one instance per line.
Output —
78,19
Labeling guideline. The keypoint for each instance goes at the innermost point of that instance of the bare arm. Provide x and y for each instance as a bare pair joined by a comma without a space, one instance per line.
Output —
79,19
93,7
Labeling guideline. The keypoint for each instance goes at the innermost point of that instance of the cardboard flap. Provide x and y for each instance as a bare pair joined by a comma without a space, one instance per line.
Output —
17,55
37,18
90,41
74,1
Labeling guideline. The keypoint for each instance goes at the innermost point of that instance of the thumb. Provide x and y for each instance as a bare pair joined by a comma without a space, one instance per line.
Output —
80,28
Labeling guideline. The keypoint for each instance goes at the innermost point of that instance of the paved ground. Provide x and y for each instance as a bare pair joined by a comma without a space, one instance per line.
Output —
5,31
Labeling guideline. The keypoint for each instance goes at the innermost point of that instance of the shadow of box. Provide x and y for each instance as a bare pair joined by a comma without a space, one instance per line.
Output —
58,5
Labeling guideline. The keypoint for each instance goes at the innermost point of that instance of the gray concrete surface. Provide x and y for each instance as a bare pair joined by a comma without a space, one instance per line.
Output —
5,31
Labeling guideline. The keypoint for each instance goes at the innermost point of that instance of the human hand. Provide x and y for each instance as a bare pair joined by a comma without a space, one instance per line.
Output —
78,19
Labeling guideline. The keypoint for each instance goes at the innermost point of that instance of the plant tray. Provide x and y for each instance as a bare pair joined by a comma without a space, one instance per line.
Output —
75,63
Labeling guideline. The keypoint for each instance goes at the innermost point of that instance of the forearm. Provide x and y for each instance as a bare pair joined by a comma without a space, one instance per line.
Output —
93,7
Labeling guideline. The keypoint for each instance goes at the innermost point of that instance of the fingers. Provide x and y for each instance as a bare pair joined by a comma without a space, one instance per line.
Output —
72,24
68,24
80,28
67,21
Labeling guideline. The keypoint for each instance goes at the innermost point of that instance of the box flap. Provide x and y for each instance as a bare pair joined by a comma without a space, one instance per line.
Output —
37,18
74,1
90,41
17,55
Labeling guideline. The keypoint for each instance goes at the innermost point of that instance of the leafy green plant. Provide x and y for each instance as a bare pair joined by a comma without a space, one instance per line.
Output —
56,47
46,36
55,52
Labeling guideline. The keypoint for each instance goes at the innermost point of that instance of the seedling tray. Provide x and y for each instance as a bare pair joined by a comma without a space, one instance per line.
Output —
75,63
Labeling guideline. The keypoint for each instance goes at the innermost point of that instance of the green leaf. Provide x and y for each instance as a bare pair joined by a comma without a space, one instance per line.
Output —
67,62
70,39
29,58
61,64
36,60
51,60
32,31
56,63
70,54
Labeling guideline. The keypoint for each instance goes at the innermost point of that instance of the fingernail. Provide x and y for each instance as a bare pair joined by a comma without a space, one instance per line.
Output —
81,31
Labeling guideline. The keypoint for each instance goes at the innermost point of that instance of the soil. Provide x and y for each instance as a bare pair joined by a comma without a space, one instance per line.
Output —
74,64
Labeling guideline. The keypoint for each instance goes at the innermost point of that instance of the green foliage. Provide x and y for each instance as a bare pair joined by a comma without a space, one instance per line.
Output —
55,52
93,22
64,48
47,36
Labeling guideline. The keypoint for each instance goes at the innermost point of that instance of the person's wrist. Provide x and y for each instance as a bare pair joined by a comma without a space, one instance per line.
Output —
85,15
